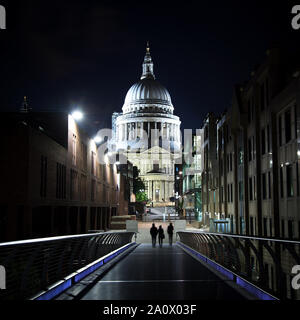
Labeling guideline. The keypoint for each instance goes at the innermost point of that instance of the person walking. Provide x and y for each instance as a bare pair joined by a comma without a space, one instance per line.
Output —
153,232
170,233
161,235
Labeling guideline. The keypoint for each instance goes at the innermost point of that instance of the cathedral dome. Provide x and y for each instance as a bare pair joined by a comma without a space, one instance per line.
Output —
148,95
147,92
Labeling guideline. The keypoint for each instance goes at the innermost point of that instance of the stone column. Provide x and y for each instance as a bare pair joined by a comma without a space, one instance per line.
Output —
171,189
136,130
160,190
148,130
152,190
148,189
131,131
172,131
168,132
168,190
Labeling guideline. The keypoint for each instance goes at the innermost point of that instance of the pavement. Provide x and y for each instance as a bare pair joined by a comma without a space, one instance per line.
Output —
166,273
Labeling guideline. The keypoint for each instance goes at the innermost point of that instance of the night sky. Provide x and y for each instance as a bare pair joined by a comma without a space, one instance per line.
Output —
64,54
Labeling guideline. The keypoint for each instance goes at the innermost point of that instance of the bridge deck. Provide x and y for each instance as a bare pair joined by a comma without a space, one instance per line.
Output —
166,273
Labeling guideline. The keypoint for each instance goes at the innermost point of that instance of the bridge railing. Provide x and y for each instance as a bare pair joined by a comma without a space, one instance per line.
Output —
268,263
33,265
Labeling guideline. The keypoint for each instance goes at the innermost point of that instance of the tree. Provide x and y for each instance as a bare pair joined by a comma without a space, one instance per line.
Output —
138,184
139,187
141,196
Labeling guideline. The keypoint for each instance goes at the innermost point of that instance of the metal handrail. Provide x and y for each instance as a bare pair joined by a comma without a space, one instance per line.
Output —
34,265
244,237
265,262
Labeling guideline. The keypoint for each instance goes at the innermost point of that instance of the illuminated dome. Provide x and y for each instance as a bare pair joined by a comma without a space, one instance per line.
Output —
148,95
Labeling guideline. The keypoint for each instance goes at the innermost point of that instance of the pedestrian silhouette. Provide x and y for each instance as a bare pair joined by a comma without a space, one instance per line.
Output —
161,235
153,232
170,233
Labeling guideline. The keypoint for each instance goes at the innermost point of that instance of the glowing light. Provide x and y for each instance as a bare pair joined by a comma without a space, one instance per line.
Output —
77,115
97,139
298,153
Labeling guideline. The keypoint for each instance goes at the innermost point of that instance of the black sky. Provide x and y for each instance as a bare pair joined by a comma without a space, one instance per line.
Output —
63,54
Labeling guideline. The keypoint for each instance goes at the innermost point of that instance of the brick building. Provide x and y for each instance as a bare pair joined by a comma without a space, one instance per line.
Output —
52,182
251,178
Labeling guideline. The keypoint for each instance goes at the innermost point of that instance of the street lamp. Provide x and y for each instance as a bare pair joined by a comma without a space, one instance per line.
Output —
98,139
77,115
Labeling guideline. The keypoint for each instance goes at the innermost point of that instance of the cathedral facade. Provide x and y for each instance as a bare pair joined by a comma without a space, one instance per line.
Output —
149,133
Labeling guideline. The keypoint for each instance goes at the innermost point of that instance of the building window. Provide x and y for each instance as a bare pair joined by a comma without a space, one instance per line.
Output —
104,194
250,189
249,150
282,228
231,191
73,184
83,188
104,177
43,184
289,181
251,226
271,228
264,186
291,229
74,150
84,156
281,183
228,193
287,126
155,167
254,187
93,190
263,142
241,191
269,185
222,194
265,227
241,156
93,164
61,173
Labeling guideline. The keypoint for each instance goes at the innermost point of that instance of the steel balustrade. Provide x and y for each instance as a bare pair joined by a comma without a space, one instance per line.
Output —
265,262
33,265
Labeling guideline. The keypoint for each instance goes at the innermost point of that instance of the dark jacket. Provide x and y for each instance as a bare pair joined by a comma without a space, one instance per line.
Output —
170,230
161,233
153,232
